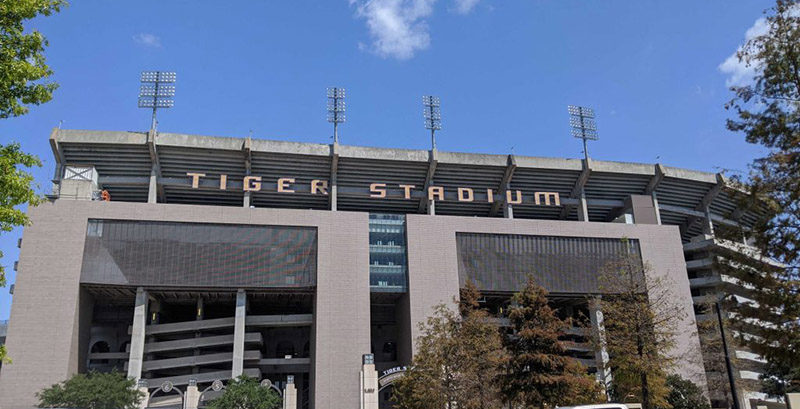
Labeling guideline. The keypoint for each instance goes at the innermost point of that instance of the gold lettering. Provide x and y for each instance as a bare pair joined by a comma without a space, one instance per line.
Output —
195,178
252,183
490,195
465,194
223,182
283,185
435,191
320,186
518,199
546,195
407,189
377,190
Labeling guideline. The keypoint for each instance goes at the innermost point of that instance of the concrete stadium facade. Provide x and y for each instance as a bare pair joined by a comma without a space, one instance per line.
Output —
303,257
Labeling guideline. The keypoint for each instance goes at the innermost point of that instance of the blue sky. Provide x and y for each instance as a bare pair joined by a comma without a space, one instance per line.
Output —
655,73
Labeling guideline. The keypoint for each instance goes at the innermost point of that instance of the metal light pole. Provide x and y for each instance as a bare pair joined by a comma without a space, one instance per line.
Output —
728,364
336,110
154,93
581,120
433,116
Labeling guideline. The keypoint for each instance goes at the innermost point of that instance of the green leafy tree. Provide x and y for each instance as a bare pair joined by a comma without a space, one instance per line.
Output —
246,393
539,372
767,112
458,360
639,318
94,390
21,65
684,394
22,60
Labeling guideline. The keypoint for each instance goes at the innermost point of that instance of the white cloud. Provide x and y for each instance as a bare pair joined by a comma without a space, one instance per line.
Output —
397,27
147,40
740,72
465,6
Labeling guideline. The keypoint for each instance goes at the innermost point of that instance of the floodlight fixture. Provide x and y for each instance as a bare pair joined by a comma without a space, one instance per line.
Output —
433,116
583,126
336,109
155,94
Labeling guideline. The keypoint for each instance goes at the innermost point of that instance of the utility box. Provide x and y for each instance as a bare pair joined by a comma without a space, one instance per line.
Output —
79,183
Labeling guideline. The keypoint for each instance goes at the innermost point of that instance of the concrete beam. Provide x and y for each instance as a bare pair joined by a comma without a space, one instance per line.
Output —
433,160
578,193
698,214
207,359
505,184
192,343
660,172
205,377
703,207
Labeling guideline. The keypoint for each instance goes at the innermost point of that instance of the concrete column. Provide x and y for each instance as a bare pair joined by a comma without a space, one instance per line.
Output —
238,334
708,226
247,199
655,207
432,207
290,394
192,397
152,192
137,335
508,210
369,383
793,400
596,316
583,208
142,387
334,194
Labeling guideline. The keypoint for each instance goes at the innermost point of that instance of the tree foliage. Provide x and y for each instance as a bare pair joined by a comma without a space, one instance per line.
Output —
246,393
767,112
92,391
22,61
639,319
539,373
684,394
457,362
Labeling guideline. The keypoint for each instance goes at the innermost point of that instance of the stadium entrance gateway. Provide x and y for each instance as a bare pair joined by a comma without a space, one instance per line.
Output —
379,190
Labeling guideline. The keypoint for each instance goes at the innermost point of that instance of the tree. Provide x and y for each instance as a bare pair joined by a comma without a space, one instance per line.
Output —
684,394
767,112
639,319
246,393
21,58
21,64
94,390
539,373
713,350
457,361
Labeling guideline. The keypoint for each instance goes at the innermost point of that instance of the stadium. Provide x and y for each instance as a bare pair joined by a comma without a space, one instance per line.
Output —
186,259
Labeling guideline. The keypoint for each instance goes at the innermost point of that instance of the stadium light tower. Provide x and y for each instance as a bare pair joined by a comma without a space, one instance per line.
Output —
581,120
156,92
433,116
336,110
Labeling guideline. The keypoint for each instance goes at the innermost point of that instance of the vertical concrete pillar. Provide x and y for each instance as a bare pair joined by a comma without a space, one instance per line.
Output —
334,194
191,399
290,394
238,334
246,199
432,207
655,207
152,192
583,207
508,210
136,356
596,316
142,387
369,383
708,226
